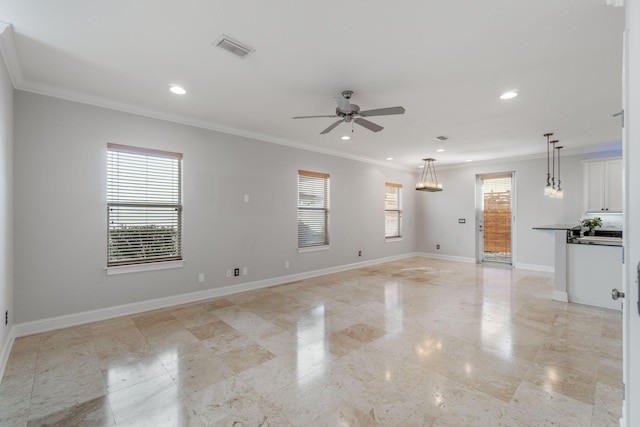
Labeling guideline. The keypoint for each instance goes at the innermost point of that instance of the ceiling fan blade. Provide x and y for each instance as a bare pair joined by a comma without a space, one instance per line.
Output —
369,125
330,128
312,117
382,112
343,104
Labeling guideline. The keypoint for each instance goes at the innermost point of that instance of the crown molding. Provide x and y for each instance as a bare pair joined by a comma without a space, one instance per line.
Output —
111,104
10,54
605,149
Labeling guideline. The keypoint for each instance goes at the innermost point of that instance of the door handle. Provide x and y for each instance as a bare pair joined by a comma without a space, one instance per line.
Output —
615,294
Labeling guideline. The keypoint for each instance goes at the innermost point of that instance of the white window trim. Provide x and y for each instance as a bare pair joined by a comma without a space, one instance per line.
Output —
158,264
399,210
314,249
136,268
326,245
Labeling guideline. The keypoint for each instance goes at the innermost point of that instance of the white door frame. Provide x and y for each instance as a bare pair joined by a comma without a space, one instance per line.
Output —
479,229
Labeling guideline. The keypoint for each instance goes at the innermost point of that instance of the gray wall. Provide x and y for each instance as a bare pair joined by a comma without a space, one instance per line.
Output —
60,208
438,213
6,208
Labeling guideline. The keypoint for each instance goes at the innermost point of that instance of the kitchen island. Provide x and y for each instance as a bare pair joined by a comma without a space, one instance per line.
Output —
594,268
560,266
586,268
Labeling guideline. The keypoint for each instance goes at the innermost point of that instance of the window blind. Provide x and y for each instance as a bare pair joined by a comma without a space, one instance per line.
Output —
144,205
393,212
313,209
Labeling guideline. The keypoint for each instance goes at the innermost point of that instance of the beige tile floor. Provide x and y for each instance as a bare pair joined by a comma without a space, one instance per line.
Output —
416,342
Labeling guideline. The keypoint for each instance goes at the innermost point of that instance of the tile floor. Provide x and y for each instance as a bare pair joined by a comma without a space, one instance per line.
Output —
417,342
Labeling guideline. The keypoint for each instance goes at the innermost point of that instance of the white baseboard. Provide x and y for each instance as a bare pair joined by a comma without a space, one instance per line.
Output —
535,267
446,257
520,266
75,319
560,296
6,350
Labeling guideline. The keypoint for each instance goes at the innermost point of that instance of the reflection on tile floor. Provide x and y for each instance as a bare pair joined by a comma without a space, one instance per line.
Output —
417,342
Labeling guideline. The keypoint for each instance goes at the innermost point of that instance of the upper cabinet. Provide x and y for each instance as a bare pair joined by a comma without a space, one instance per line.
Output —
603,186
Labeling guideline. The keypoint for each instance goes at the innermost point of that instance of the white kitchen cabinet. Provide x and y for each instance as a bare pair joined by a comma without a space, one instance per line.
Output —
603,186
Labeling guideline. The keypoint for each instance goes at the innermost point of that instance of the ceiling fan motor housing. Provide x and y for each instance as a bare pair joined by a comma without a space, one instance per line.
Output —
355,110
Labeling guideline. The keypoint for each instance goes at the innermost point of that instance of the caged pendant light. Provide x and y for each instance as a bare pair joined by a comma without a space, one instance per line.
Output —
429,179
553,169
547,188
558,193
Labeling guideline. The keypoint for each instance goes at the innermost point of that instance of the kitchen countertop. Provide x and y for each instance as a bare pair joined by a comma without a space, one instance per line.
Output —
557,227
606,237
596,240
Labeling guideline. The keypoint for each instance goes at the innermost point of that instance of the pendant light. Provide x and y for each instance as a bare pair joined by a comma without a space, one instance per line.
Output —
553,169
547,188
429,179
559,194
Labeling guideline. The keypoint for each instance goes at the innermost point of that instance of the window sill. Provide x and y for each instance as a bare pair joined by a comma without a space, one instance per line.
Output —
124,269
314,249
393,239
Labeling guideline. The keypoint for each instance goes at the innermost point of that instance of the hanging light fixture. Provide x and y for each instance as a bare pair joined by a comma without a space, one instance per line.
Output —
547,188
553,169
559,194
429,179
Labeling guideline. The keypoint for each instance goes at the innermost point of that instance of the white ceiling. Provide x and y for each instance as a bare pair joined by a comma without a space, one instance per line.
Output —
445,61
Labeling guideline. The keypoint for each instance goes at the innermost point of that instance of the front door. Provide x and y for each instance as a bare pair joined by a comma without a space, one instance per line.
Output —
494,217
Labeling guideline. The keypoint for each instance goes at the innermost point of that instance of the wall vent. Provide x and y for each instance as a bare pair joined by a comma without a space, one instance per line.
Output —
233,46
440,138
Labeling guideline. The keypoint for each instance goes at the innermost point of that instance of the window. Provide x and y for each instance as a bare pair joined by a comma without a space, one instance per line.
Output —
313,209
392,210
144,205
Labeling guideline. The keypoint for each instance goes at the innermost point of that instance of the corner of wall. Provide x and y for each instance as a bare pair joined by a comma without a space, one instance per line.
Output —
6,195
5,351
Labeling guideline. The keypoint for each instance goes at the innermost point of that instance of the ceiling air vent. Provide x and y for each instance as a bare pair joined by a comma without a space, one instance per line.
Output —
233,46
440,138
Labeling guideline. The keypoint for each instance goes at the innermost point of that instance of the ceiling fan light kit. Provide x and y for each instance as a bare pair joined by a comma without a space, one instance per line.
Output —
429,179
350,113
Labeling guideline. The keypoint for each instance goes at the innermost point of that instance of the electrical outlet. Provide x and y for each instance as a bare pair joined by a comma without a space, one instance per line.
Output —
286,264
438,246
245,271
359,253
236,272
6,318
201,277
228,273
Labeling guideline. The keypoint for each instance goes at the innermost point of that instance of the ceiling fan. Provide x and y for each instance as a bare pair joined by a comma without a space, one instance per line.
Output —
351,112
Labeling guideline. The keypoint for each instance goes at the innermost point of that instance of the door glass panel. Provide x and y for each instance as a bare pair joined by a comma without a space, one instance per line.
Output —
496,192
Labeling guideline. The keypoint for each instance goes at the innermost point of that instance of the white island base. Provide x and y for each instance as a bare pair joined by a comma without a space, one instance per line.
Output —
592,272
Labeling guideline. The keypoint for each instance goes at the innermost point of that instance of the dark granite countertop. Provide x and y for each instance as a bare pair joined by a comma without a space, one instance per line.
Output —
556,227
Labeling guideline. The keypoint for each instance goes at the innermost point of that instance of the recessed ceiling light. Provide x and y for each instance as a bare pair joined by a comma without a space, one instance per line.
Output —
178,90
468,160
345,138
389,158
421,166
510,94
440,150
